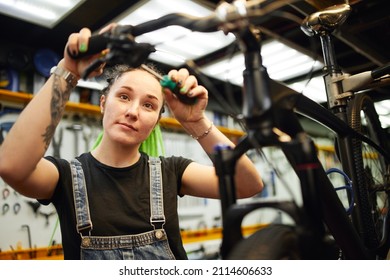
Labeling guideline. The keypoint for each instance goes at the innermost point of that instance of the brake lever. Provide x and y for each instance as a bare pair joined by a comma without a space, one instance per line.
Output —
131,53
97,43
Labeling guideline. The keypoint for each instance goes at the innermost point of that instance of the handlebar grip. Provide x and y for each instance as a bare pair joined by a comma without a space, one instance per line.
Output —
381,71
166,82
96,44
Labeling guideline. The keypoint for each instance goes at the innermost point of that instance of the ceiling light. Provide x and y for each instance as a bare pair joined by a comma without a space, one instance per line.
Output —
174,44
313,88
282,63
383,109
46,13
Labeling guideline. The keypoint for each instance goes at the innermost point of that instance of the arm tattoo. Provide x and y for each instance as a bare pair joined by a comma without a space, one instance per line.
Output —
57,106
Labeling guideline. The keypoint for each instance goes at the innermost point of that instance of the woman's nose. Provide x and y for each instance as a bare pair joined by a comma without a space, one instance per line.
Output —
132,110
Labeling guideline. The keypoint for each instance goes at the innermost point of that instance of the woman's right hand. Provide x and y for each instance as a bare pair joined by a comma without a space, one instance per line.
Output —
78,43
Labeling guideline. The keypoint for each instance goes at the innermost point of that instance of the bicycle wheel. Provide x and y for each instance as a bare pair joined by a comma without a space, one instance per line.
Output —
372,187
275,242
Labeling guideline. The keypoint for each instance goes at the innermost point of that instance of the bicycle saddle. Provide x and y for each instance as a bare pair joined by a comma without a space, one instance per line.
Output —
325,21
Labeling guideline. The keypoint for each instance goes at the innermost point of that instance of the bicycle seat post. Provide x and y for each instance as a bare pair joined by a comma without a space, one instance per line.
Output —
323,24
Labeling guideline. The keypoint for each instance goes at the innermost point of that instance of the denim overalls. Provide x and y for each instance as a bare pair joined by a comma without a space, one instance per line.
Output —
151,245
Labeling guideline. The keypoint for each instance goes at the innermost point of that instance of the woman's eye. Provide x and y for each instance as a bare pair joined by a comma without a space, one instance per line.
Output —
124,97
149,105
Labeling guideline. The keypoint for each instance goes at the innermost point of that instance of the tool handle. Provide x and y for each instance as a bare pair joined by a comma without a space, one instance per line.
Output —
166,82
96,44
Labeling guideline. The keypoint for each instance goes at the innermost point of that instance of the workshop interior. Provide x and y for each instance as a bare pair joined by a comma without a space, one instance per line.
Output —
32,42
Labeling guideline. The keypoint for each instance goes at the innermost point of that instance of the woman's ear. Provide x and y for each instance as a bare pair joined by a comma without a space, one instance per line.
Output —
102,103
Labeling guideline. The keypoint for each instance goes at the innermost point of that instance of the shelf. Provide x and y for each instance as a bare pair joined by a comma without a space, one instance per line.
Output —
171,123
165,122
19,97
12,96
54,252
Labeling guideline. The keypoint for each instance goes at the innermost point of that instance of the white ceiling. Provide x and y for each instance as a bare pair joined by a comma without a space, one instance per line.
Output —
46,13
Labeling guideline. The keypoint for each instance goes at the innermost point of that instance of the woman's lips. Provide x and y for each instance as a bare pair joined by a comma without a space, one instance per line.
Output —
128,126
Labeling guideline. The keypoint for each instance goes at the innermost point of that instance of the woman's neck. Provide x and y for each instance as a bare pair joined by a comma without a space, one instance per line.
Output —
116,155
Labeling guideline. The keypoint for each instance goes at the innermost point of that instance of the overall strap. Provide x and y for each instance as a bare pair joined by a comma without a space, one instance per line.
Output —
157,217
84,223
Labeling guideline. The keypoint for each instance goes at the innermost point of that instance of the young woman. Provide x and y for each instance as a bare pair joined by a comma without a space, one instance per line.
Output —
116,202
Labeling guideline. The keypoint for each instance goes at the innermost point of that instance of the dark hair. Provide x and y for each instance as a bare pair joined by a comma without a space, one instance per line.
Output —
112,74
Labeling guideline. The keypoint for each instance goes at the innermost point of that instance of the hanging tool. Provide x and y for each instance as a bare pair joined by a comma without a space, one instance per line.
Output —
76,128
166,82
89,133
35,205
17,208
29,239
5,208
47,216
6,193
57,143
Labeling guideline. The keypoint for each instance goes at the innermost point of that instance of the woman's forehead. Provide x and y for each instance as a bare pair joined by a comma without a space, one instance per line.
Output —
137,74
140,80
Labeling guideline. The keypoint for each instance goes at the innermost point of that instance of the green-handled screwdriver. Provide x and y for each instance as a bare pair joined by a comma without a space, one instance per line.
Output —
166,82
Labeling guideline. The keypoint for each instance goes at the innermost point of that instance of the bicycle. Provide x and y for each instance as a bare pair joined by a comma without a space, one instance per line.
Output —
270,113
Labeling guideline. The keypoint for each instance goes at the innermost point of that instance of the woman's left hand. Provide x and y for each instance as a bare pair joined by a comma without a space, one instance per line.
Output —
188,85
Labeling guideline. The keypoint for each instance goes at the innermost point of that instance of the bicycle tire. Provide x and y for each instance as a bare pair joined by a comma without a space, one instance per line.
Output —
371,168
275,242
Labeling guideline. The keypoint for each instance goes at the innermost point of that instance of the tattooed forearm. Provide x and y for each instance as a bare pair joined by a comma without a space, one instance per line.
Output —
57,105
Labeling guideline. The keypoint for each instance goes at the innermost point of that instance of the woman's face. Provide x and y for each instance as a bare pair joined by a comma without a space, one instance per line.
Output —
131,107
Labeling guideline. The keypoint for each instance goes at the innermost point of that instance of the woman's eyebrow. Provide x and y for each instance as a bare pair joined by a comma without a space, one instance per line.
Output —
128,88
151,96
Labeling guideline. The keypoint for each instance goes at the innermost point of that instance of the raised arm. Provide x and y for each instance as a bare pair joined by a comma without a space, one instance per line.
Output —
22,165
200,180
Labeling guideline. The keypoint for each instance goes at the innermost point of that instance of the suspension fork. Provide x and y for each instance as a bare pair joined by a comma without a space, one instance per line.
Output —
319,195
320,201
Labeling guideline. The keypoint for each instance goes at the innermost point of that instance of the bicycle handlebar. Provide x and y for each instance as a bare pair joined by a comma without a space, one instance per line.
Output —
127,33
201,24
224,17
96,44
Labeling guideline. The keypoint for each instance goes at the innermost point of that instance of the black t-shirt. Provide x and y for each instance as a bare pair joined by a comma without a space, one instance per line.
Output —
118,200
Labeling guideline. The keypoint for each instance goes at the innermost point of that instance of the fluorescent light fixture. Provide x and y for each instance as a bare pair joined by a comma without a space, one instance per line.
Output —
92,84
282,63
175,44
313,88
385,121
383,109
46,13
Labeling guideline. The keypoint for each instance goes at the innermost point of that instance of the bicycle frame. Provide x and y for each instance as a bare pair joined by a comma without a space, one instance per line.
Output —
268,108
270,114
264,115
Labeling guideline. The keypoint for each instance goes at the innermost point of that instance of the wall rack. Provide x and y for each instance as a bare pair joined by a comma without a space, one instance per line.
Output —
165,122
